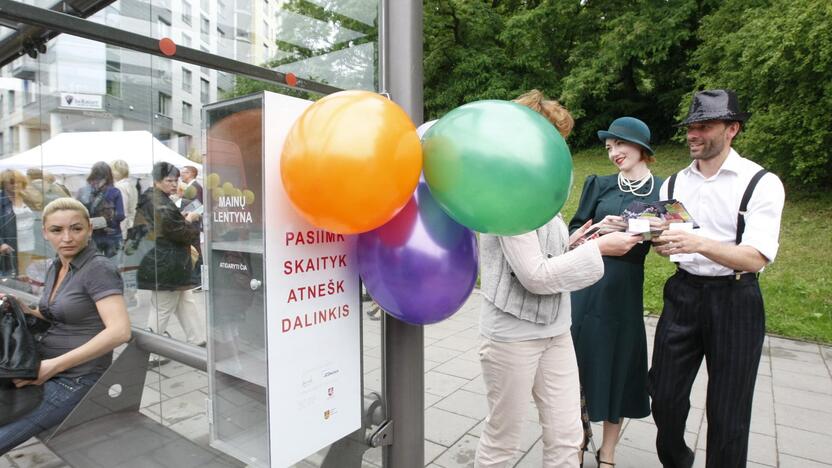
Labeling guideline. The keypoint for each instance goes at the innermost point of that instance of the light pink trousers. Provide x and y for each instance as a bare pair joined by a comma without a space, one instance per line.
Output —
546,370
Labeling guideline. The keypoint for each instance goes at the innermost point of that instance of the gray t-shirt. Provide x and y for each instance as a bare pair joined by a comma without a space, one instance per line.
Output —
73,314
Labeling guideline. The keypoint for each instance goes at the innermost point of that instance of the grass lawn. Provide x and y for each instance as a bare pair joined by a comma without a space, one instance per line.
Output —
797,287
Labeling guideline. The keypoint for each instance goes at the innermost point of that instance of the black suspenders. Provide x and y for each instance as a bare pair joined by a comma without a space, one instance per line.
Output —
671,183
746,197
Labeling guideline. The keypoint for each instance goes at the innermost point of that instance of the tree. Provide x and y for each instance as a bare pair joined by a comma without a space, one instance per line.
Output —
494,49
631,59
602,58
778,57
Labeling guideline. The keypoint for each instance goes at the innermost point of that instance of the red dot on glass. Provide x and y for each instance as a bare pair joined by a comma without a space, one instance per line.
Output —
291,79
167,46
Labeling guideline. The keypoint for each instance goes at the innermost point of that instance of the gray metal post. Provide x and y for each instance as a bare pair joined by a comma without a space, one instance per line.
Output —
404,365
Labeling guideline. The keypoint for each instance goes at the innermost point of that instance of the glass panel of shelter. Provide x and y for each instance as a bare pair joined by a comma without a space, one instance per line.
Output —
81,96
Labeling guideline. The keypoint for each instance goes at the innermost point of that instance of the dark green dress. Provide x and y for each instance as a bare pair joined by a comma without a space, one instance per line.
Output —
608,317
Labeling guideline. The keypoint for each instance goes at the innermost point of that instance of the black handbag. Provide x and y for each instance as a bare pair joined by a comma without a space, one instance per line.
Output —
19,358
17,402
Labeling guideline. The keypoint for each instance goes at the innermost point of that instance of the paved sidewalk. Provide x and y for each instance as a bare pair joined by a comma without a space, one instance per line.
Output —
791,424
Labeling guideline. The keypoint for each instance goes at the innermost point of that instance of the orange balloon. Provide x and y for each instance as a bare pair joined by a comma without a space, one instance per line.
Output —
351,162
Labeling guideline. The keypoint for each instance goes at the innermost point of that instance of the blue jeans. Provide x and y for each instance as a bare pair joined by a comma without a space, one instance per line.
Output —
60,395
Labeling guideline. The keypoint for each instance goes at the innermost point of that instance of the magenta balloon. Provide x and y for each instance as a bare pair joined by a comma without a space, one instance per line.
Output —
428,272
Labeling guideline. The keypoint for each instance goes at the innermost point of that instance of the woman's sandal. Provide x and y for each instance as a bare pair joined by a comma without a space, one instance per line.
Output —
598,460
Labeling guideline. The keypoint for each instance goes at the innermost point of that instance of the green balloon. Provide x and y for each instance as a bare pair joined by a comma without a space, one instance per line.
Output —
497,167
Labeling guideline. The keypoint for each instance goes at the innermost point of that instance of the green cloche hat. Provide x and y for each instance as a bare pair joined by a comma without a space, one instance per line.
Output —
628,129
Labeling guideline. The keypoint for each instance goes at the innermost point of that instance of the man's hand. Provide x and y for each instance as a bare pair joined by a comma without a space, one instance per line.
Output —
678,242
6,249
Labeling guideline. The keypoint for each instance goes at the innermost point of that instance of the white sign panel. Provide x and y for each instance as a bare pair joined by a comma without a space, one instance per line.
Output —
312,309
82,101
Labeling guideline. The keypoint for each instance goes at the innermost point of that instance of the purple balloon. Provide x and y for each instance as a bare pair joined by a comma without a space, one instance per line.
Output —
422,265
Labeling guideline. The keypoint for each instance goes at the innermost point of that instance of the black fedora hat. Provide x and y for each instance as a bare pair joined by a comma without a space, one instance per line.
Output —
714,104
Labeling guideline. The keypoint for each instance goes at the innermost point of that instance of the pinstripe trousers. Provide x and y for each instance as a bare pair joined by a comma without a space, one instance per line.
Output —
721,319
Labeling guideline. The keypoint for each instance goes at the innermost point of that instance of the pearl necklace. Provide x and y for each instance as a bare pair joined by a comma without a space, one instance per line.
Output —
633,186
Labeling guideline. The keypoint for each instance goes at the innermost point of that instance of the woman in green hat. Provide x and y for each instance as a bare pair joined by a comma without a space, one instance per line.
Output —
607,317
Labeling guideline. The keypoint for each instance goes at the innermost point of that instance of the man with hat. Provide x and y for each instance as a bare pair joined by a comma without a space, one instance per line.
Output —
712,304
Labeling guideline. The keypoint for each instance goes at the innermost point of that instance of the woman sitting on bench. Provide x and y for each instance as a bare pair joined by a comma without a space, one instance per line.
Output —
83,299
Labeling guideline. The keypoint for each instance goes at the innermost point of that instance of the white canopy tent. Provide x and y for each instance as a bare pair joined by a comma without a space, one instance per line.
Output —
74,153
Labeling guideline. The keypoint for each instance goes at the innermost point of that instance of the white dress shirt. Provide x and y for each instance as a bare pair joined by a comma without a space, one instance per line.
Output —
714,203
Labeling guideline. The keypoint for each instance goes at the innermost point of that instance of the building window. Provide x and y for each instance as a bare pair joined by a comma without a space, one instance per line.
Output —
266,50
164,104
185,144
2,103
163,69
2,144
205,5
186,40
204,91
187,80
164,27
186,12
204,70
187,113
220,33
12,139
204,28
266,32
11,106
114,78
28,96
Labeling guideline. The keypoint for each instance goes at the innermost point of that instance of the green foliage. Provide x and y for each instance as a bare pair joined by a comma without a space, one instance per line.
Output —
605,58
633,63
608,58
781,66
494,50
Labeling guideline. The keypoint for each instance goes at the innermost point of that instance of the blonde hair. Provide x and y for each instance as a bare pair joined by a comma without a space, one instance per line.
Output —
65,203
18,193
11,175
555,113
120,169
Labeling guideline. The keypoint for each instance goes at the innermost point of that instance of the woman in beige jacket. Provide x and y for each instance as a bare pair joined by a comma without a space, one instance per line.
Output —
525,318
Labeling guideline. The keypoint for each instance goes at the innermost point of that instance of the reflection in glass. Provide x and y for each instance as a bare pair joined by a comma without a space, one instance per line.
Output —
83,102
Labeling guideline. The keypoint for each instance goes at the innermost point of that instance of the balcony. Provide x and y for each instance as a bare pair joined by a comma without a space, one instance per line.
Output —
25,68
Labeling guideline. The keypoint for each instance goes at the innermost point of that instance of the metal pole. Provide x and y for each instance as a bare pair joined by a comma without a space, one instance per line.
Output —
404,365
